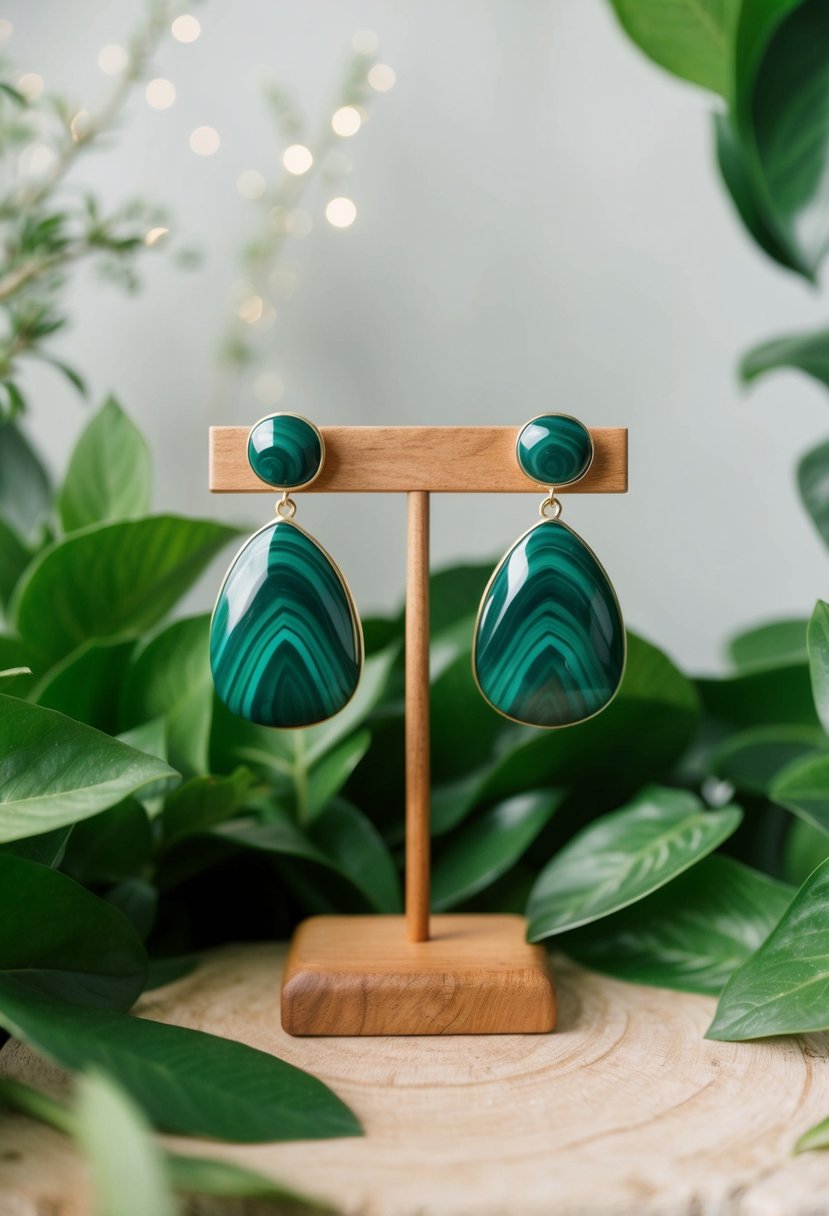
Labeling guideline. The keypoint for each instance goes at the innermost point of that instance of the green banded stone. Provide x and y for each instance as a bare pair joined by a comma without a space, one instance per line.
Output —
285,451
285,642
554,449
550,643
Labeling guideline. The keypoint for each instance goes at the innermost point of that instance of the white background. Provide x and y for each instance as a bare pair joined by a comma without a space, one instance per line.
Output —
540,226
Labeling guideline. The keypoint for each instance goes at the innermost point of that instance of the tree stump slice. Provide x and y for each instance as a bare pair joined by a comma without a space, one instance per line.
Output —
625,1110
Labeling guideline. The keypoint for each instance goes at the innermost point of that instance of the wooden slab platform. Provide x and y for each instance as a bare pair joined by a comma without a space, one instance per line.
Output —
623,1111
360,975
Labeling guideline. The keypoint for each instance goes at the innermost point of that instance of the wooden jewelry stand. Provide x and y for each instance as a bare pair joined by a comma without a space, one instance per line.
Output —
451,974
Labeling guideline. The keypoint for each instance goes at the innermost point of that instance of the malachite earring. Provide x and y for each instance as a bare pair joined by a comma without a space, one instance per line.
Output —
286,643
550,644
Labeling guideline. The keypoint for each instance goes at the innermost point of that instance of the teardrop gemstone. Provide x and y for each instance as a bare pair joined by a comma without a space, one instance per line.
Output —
550,643
286,645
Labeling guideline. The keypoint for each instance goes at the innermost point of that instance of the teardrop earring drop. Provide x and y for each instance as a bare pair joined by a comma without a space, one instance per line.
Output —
550,643
286,643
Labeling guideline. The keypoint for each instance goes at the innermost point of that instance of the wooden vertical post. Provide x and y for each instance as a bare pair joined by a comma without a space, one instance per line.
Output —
417,717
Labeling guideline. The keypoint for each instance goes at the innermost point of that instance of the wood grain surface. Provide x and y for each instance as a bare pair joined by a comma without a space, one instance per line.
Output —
397,459
362,975
418,763
624,1111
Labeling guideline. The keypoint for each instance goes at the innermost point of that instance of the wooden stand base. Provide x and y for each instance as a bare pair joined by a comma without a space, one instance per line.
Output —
359,975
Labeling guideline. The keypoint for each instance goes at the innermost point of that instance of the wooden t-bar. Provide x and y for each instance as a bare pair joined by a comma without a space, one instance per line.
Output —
417,718
432,459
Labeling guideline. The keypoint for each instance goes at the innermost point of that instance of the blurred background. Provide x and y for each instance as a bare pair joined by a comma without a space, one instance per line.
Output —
537,225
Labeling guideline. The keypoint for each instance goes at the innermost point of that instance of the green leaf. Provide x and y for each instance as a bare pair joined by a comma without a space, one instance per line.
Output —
197,1175
488,846
186,1081
782,988
63,941
126,1166
109,472
813,483
815,1137
805,847
112,580
329,775
205,1176
54,771
170,679
348,840
18,658
775,644
817,640
25,490
116,844
645,730
780,694
786,117
622,857
803,787
736,174
86,684
15,1095
203,802
807,353
464,728
14,558
690,935
353,843
693,39
138,901
752,760
47,850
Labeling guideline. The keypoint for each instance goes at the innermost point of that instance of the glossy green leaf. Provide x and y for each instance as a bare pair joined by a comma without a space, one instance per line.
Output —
489,845
624,856
47,849
780,694
16,656
454,595
116,844
645,730
351,840
813,483
54,771
109,472
126,1165
803,787
203,802
186,1081
170,679
14,558
782,988
693,39
774,644
63,941
805,352
804,848
464,728
817,640
86,684
753,759
25,490
691,934
112,580
329,775
734,167
789,114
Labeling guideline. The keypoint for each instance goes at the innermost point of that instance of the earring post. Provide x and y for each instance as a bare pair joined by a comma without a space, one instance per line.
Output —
418,802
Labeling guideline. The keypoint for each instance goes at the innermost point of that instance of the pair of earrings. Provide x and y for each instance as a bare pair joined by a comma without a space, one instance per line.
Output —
286,643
